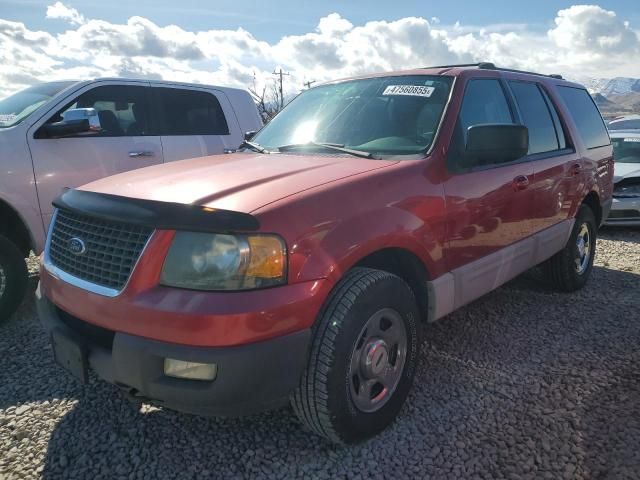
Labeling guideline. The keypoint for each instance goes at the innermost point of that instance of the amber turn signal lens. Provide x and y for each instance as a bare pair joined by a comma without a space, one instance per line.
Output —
267,257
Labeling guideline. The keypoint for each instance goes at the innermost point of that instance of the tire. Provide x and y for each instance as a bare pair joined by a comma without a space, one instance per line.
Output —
13,278
336,397
567,270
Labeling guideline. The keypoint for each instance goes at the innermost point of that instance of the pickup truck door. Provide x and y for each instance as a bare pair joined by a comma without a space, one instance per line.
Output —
194,122
124,143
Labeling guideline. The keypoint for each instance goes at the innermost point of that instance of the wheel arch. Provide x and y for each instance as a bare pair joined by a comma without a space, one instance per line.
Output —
592,200
13,226
406,265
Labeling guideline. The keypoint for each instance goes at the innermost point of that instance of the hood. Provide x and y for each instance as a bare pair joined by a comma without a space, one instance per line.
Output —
625,170
241,182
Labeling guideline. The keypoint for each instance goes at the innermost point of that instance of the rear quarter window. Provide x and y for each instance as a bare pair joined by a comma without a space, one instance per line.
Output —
586,116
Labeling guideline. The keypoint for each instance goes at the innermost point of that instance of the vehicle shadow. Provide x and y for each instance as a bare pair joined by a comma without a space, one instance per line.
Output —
628,234
523,382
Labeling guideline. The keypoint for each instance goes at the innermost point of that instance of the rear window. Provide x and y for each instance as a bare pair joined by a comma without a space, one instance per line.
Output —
626,150
586,116
190,112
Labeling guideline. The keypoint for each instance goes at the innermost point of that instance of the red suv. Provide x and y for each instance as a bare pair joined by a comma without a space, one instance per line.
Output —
302,267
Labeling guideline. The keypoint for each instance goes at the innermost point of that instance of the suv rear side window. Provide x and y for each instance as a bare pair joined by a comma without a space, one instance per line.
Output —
586,116
535,116
122,109
190,112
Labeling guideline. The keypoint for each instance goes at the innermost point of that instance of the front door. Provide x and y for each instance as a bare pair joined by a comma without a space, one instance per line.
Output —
124,143
488,205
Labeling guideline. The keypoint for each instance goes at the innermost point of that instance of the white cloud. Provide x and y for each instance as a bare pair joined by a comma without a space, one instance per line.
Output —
584,40
62,12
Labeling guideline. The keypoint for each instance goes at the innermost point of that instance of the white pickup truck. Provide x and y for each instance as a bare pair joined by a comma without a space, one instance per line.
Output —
65,134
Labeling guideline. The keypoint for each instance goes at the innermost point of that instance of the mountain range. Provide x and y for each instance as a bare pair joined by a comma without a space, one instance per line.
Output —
614,96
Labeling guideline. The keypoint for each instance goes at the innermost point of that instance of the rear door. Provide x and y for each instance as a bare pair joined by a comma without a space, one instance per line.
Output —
488,205
194,122
557,167
124,143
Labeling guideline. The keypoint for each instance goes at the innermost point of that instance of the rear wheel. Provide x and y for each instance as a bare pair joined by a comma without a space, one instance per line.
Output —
569,269
363,358
13,278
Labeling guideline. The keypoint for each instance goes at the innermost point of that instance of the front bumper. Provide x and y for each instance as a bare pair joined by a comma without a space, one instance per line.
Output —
624,212
250,378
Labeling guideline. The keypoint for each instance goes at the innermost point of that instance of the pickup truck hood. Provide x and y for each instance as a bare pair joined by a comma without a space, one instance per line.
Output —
242,182
625,170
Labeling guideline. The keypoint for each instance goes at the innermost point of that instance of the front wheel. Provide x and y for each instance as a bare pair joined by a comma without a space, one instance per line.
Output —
569,269
13,278
363,358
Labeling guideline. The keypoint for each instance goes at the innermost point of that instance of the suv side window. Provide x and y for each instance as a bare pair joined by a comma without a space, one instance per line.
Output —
190,112
122,109
536,116
484,102
586,115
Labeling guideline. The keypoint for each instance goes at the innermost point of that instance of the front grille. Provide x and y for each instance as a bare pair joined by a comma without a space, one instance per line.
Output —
111,249
624,214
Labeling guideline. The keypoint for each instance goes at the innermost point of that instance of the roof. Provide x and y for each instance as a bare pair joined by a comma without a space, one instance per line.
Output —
157,82
460,69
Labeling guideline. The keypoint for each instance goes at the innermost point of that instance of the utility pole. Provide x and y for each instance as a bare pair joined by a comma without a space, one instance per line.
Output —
309,83
281,74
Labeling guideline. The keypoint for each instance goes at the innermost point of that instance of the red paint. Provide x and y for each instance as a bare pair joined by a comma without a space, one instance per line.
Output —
333,212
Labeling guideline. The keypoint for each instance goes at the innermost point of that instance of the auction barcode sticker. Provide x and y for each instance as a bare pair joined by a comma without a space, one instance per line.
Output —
413,90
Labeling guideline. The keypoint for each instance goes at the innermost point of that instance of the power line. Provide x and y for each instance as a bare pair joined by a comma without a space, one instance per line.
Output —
281,74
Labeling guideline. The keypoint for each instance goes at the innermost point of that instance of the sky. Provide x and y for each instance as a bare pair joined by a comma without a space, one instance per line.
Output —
241,42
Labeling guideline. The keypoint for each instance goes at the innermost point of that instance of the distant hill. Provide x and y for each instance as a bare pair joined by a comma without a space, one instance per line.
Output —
614,96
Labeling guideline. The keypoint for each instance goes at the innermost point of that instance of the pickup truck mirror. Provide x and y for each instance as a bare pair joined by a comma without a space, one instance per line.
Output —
76,120
497,143
249,135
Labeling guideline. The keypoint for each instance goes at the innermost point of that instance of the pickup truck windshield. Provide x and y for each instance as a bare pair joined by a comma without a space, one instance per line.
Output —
15,108
396,115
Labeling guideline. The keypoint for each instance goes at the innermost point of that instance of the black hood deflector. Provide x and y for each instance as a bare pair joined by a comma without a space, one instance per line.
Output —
155,214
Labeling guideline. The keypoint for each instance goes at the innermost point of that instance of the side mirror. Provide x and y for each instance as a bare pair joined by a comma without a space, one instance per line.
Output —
74,121
497,143
249,135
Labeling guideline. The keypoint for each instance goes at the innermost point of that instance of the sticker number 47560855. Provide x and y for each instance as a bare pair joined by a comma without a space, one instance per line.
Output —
413,90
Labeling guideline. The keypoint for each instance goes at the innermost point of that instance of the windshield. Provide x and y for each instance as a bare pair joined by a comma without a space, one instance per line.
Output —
385,115
626,150
15,108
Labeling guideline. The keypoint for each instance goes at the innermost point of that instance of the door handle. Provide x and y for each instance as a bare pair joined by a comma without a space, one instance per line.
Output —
143,153
576,168
521,182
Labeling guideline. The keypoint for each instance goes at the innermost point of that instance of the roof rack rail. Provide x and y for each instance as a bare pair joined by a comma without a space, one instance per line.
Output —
492,66
486,65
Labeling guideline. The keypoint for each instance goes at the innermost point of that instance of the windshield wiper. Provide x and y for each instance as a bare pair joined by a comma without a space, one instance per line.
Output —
253,146
329,146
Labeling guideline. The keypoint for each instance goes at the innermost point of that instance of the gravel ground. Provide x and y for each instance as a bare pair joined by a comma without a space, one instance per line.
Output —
524,383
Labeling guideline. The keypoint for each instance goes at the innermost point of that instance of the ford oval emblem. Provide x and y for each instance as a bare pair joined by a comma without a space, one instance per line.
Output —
76,246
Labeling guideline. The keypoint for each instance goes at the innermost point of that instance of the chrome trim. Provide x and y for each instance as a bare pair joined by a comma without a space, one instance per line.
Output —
79,282
444,113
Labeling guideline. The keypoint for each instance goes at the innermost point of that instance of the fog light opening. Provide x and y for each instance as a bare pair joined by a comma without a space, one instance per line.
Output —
190,370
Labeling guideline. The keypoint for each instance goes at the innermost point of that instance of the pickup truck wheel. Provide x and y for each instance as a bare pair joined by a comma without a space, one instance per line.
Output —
13,278
569,269
363,358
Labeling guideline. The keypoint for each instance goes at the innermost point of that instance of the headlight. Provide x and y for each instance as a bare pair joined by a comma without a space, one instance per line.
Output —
206,261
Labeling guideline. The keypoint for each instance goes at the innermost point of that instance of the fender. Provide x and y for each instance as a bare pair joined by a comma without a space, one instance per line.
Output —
335,248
